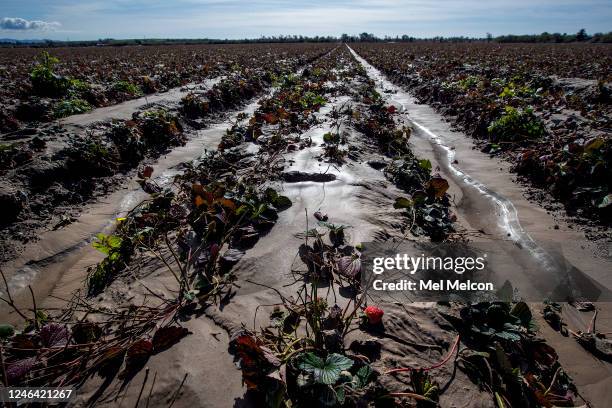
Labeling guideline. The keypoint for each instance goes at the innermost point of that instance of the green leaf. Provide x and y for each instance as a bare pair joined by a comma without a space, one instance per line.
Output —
258,211
471,353
309,361
71,107
242,209
502,359
282,202
6,331
522,312
190,295
327,398
271,194
114,241
107,243
402,202
363,376
499,400
100,244
340,395
431,391
593,144
328,371
425,164
331,137
508,335
606,202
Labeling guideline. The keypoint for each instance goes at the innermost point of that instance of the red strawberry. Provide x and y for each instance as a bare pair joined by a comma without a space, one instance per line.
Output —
374,314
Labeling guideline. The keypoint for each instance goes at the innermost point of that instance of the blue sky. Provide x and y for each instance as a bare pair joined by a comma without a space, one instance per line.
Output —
86,20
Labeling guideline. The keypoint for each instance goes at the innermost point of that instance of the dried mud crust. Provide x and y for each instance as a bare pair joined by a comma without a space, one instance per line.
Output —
49,177
523,103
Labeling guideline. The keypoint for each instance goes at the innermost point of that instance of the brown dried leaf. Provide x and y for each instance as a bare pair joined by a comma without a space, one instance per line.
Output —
166,337
437,187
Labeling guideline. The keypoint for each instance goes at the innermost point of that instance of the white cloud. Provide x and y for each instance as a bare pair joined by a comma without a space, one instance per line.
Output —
20,24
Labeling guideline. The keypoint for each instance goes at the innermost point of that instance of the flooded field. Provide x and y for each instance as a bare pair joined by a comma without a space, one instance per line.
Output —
205,242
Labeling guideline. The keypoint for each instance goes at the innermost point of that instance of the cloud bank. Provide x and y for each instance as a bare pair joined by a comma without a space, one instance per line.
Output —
20,24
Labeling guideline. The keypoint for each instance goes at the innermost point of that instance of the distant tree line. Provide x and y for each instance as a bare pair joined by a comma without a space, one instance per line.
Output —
580,36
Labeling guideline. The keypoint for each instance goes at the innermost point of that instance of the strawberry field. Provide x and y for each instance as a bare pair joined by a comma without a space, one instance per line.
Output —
189,224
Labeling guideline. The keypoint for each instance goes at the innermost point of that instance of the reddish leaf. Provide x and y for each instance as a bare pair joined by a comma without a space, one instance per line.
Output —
23,341
140,349
54,335
110,361
270,118
349,266
166,337
214,251
145,172
282,113
227,203
199,201
137,355
197,189
256,361
208,197
18,369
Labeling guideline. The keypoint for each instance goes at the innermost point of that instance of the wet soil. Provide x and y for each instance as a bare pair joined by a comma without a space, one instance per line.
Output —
490,207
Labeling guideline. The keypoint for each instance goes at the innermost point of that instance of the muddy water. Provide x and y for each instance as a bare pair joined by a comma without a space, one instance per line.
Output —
487,199
56,265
